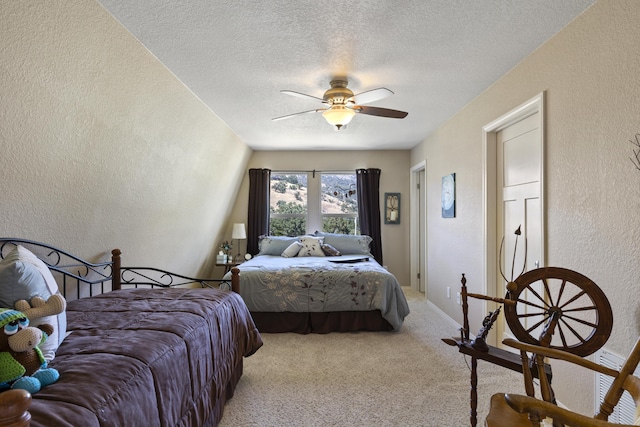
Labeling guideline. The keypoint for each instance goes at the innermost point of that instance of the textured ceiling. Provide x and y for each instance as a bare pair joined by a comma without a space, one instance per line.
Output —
436,55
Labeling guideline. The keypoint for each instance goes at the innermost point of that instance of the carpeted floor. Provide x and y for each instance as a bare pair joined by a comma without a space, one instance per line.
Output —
408,378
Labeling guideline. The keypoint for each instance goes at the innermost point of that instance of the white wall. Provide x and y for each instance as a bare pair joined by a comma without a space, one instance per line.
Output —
102,147
589,73
394,178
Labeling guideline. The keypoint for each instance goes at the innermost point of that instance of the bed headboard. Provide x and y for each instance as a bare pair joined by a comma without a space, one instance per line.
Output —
78,278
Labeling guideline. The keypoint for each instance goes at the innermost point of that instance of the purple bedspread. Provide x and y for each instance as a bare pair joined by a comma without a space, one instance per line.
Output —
143,357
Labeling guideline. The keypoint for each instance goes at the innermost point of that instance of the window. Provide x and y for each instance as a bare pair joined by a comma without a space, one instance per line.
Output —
339,203
302,203
288,204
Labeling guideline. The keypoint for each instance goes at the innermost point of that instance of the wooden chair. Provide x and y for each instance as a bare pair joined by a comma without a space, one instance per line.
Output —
509,410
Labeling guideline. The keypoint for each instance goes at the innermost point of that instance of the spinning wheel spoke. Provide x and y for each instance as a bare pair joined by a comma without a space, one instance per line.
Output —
563,338
582,321
525,315
573,331
533,292
575,297
562,286
587,308
548,292
531,329
530,304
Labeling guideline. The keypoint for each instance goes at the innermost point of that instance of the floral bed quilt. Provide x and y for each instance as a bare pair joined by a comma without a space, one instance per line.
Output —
321,284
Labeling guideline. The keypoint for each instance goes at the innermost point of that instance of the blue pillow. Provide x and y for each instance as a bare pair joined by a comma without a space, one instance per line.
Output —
347,244
275,245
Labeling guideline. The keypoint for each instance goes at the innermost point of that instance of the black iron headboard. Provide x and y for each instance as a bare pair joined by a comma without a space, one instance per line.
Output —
78,278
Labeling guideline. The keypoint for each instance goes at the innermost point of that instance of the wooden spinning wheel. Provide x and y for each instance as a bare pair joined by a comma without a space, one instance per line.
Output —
572,311
563,308
550,307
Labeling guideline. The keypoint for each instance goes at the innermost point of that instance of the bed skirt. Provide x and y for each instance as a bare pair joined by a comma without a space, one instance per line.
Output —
234,378
320,323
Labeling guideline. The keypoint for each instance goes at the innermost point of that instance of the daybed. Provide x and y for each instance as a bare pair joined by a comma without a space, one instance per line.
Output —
135,355
319,284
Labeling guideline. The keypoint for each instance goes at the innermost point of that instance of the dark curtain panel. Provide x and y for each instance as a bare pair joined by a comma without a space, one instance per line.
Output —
368,183
258,215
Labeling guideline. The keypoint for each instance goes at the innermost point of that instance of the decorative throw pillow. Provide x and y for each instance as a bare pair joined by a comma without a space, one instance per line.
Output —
347,244
311,246
329,250
274,245
24,276
292,250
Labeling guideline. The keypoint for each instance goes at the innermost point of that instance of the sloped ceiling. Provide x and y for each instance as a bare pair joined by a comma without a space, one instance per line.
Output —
435,55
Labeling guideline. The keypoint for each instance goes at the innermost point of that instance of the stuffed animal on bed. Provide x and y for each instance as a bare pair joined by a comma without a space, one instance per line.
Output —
22,364
39,307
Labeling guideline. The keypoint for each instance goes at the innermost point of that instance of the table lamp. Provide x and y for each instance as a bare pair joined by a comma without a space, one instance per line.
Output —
238,233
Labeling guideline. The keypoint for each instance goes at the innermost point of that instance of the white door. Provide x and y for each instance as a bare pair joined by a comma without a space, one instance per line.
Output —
418,227
422,235
519,194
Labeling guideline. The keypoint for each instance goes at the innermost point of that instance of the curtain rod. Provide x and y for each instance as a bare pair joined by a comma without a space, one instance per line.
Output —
314,171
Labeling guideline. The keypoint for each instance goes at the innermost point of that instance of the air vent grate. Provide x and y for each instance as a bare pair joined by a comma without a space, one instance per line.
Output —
625,409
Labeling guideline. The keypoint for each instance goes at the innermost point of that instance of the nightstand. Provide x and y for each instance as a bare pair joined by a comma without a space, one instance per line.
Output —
228,266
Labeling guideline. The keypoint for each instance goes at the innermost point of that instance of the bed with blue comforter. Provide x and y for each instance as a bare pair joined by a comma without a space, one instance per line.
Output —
320,292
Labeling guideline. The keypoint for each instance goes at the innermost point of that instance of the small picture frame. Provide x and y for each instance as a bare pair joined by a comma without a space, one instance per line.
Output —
449,196
392,208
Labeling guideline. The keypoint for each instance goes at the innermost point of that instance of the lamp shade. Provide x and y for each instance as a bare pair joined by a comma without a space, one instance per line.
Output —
338,115
239,231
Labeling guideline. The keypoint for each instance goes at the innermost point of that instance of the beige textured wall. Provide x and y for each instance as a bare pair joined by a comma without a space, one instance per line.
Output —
394,178
589,73
102,147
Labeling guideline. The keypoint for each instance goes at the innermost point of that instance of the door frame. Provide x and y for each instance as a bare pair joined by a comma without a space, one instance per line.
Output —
489,190
415,239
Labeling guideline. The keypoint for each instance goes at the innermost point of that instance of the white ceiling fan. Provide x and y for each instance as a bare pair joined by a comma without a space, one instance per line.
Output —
342,104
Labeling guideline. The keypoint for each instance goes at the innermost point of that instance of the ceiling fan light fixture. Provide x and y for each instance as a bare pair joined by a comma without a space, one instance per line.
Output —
338,116
341,104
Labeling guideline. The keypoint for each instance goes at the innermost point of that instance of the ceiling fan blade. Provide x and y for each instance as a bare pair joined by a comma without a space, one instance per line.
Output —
288,116
380,112
302,95
370,96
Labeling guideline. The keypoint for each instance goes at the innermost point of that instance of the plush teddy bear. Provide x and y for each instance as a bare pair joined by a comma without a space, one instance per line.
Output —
22,364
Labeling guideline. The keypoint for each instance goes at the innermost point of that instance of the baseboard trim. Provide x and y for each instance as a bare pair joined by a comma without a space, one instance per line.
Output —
444,315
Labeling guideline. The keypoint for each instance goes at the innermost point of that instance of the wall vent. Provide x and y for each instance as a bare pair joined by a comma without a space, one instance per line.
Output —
625,410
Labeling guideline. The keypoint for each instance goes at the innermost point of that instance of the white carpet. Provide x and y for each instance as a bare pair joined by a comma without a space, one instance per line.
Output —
406,378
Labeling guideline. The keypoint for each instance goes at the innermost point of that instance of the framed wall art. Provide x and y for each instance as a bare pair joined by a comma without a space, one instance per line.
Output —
449,196
392,208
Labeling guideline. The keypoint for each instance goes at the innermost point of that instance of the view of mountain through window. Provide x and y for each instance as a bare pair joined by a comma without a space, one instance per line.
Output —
288,204
289,213
339,204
